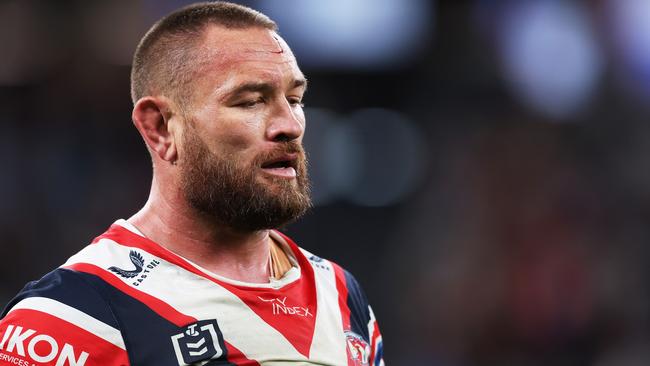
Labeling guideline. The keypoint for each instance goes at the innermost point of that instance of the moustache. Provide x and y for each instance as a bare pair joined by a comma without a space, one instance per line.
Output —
289,153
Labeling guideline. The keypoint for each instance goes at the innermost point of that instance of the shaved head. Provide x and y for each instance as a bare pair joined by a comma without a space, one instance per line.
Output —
170,54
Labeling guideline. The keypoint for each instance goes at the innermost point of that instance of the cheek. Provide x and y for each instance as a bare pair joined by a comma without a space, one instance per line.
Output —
240,135
235,143
300,115
231,132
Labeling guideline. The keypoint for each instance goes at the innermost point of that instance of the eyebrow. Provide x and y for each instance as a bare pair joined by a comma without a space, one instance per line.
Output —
300,82
264,88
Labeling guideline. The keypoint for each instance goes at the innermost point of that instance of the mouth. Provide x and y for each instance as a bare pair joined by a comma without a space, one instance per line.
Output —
282,166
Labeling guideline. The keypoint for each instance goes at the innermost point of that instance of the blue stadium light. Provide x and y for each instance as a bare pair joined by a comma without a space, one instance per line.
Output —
355,34
551,58
630,20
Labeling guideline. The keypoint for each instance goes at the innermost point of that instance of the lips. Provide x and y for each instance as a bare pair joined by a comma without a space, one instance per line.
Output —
284,165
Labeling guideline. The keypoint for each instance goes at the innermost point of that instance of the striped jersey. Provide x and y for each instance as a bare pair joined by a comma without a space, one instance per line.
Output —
125,300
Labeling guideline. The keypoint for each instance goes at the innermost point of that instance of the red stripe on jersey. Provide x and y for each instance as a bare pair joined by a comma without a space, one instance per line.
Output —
158,306
373,342
290,310
237,357
42,339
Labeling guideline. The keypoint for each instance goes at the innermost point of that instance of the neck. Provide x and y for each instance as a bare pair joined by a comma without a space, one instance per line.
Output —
168,221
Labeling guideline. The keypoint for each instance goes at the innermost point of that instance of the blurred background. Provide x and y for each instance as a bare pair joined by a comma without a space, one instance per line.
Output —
482,167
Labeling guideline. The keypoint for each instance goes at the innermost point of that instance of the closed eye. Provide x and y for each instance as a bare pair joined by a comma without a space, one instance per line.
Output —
296,102
250,103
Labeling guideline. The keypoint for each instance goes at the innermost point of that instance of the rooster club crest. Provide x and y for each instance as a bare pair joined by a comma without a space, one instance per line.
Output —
357,348
199,343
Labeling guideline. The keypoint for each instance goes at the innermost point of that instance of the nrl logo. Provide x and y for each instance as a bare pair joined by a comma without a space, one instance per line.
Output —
200,343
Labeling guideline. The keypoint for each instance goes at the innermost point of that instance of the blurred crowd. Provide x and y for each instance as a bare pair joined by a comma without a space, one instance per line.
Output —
489,186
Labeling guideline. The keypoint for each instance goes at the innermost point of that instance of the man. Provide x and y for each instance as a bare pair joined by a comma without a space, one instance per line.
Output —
198,276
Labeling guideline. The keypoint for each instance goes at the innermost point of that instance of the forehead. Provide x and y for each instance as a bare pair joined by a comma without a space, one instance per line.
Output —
248,54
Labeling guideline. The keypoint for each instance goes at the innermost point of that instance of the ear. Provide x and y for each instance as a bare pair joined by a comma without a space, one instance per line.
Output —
151,116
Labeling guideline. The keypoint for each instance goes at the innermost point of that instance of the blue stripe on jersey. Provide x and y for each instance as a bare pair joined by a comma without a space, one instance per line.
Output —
358,305
380,353
146,334
70,288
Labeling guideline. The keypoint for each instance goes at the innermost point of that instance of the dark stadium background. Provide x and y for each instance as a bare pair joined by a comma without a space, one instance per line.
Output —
482,167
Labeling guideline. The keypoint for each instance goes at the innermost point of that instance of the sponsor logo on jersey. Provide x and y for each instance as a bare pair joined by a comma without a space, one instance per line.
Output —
199,343
318,262
140,273
138,262
39,348
358,349
279,306
315,258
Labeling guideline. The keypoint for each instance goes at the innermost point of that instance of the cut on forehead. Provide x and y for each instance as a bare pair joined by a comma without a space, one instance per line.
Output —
230,57
220,42
237,55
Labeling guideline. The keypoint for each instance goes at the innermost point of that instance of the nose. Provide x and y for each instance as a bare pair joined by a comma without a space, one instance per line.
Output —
286,124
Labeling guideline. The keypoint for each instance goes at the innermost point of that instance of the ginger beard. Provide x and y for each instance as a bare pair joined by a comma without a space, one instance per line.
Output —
241,196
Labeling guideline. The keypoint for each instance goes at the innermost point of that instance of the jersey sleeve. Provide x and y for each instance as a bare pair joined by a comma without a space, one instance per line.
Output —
364,339
60,320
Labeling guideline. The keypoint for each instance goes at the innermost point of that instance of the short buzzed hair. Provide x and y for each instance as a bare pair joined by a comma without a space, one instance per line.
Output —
166,58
